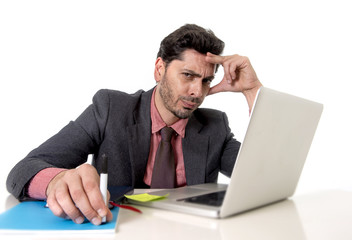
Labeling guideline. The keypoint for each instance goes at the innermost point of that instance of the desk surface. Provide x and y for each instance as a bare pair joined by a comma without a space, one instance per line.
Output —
319,215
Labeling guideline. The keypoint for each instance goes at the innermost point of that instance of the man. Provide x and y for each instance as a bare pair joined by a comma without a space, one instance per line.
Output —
127,128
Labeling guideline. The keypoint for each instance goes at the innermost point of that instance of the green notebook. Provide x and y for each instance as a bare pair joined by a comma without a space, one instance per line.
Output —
34,217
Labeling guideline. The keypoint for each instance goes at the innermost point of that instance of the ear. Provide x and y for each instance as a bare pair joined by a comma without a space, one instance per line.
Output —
159,69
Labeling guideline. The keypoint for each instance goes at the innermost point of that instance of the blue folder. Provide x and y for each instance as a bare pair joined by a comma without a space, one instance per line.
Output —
34,216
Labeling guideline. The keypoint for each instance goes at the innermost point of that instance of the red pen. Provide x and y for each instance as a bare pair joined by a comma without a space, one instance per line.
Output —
126,207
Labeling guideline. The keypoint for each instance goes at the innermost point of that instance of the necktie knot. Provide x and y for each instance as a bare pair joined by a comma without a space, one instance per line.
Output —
166,134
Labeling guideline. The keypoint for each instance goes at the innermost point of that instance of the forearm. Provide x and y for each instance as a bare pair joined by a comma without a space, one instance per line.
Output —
57,152
67,149
20,176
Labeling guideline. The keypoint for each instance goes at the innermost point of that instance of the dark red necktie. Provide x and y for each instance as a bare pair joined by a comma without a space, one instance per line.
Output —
164,173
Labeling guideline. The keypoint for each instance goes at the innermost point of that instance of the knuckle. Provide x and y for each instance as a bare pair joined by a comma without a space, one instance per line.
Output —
70,174
66,179
88,171
55,208
77,194
50,201
86,168
61,195
96,203
72,212
89,213
90,185
57,212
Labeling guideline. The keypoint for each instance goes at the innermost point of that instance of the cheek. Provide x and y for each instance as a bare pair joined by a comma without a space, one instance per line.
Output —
179,88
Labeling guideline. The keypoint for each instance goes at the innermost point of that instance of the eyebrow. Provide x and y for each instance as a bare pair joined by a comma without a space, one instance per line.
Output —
209,78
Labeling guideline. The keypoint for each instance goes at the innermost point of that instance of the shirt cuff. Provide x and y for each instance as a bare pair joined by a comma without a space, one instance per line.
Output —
39,183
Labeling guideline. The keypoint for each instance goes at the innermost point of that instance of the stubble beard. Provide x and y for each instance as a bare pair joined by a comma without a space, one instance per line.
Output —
167,95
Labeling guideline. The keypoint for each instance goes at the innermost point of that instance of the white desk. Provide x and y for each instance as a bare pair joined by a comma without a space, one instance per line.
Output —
319,215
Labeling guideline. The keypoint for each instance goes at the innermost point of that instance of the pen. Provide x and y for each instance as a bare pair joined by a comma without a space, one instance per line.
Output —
104,182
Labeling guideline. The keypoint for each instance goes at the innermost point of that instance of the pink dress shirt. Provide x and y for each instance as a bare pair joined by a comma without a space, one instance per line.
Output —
176,141
39,183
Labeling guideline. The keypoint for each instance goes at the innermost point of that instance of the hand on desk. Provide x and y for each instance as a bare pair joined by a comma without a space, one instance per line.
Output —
75,194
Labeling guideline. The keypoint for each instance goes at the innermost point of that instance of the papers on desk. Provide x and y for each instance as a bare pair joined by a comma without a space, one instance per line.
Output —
34,217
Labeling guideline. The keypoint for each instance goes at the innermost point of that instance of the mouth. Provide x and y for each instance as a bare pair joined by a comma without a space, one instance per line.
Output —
189,105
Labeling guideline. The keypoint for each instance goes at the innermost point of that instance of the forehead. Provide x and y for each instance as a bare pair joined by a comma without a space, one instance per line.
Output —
195,61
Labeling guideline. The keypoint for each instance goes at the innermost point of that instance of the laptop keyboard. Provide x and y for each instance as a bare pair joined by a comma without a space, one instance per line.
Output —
212,199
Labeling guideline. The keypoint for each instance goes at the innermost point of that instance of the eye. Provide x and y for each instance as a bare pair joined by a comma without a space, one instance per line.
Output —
187,75
207,81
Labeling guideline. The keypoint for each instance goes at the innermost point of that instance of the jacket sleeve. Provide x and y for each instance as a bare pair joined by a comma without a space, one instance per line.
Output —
68,149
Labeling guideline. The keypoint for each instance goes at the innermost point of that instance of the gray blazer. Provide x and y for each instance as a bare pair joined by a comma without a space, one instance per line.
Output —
119,125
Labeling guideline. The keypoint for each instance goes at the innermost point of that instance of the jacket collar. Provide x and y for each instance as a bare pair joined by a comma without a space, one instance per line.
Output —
194,145
139,134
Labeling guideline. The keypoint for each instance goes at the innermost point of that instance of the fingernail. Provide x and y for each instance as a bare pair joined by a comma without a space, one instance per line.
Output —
101,213
79,220
96,221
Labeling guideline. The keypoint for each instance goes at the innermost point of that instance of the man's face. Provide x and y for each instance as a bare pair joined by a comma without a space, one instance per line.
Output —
183,85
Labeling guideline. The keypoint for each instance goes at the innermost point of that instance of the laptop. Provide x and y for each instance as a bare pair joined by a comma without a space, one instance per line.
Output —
268,165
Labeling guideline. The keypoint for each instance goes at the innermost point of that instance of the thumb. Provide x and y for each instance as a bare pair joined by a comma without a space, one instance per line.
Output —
217,88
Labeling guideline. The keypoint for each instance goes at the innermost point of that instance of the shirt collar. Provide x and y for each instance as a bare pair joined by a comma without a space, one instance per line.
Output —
158,123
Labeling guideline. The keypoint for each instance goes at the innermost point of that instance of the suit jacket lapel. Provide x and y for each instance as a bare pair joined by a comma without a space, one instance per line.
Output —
139,135
195,145
195,151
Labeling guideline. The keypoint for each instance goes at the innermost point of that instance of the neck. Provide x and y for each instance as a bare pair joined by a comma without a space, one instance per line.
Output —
168,117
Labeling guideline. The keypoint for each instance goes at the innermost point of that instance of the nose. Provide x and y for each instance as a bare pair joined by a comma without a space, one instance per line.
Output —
196,89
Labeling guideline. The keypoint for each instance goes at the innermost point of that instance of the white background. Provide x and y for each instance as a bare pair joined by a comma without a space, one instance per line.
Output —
54,55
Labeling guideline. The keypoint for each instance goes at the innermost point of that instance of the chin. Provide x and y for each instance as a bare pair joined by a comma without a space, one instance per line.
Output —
183,114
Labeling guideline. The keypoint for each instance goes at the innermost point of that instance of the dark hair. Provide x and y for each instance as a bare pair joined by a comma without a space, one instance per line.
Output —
189,36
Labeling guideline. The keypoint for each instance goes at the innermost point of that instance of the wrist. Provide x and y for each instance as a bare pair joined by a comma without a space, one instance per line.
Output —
53,181
250,95
39,183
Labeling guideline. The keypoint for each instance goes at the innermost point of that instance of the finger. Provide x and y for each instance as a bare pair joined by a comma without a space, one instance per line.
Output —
214,59
109,216
81,201
90,181
227,72
58,195
232,71
64,199
55,207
